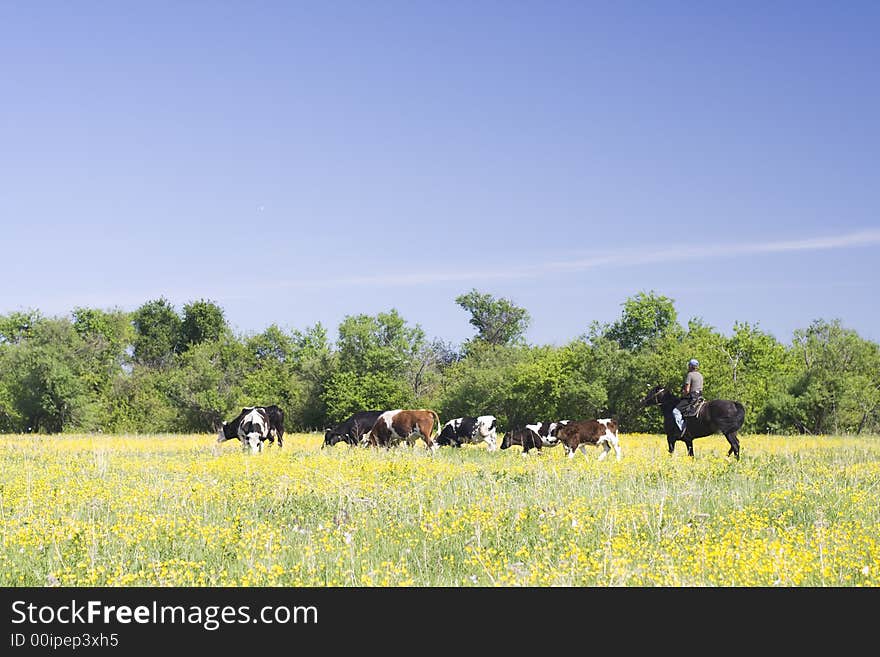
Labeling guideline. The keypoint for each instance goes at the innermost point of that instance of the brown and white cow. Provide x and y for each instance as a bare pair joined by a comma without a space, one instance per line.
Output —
407,425
577,435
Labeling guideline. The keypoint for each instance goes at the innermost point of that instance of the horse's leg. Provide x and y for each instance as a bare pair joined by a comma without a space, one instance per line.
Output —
734,444
690,445
671,441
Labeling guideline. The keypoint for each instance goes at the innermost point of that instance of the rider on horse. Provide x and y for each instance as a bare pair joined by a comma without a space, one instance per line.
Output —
691,393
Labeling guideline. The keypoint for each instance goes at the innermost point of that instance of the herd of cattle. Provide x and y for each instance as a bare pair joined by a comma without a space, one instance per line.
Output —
258,424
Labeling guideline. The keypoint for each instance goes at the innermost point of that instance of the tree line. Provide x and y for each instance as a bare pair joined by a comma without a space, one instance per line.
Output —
158,369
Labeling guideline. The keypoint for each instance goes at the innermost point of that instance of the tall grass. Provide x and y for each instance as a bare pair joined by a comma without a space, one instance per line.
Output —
175,511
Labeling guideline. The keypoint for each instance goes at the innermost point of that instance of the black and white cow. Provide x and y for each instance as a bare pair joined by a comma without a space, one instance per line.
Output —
353,430
253,426
525,438
534,436
470,429
547,431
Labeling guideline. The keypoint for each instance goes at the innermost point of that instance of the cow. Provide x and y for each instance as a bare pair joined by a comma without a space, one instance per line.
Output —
407,425
533,436
353,430
577,435
547,431
525,438
276,424
470,430
251,427
254,423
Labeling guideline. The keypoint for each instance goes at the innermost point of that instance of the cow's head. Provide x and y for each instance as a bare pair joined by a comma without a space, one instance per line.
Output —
487,429
253,430
227,431
445,438
512,437
252,442
331,437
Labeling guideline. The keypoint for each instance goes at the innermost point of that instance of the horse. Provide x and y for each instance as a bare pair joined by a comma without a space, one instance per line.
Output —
718,415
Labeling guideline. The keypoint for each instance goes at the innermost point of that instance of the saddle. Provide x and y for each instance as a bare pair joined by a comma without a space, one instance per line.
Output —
693,409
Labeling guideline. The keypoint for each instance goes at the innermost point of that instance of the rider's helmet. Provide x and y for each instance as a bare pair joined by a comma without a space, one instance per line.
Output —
693,362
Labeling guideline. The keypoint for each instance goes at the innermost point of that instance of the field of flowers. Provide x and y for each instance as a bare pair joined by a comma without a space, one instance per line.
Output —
96,510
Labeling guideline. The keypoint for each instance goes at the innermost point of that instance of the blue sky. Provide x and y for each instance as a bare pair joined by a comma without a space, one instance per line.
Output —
297,162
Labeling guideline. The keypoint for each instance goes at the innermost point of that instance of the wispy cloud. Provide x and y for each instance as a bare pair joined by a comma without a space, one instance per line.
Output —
506,270
634,257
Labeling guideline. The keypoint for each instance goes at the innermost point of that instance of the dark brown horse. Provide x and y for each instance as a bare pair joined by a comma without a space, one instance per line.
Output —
718,415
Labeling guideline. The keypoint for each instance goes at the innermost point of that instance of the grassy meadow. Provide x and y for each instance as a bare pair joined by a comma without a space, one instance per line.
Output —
165,510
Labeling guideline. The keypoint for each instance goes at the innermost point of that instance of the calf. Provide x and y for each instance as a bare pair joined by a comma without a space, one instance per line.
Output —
533,436
353,431
525,438
404,425
547,431
579,434
470,430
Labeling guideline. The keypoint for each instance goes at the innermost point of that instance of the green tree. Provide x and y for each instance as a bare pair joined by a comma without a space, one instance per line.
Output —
481,382
425,372
208,383
498,321
757,368
272,345
17,326
290,369
142,401
15,329
46,382
646,316
202,320
837,388
373,364
106,337
347,392
157,333
315,363
535,386
383,343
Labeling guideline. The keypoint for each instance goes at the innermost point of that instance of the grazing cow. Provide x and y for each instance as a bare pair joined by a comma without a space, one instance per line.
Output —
251,427
470,430
577,435
267,422
405,425
276,424
534,436
353,430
